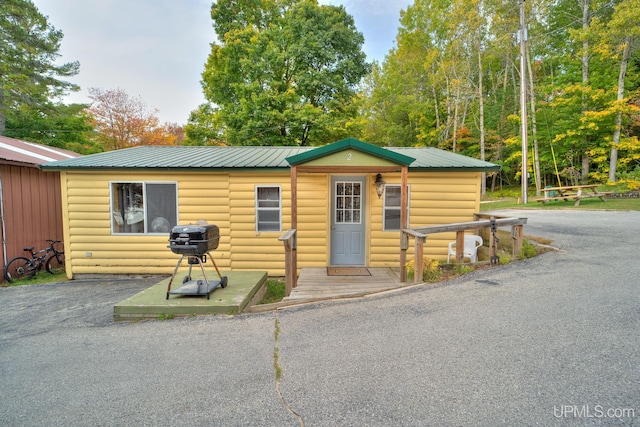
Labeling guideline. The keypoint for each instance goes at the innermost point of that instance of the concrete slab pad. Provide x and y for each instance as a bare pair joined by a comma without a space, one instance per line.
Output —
243,287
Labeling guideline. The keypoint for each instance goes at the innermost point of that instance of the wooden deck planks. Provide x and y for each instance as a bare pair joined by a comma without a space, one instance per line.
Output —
314,283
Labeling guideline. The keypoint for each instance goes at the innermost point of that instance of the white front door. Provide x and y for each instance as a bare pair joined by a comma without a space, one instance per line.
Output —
348,220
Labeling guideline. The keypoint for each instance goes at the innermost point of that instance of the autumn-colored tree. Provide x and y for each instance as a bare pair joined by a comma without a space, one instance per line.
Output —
123,121
173,134
453,81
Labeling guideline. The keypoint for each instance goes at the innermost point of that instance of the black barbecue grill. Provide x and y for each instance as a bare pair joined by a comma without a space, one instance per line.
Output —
195,242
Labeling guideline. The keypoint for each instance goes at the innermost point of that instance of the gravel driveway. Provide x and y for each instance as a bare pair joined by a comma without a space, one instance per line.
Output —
548,341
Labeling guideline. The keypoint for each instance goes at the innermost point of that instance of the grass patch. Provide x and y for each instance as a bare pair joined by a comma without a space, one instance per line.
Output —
508,199
276,355
275,291
435,272
39,279
166,316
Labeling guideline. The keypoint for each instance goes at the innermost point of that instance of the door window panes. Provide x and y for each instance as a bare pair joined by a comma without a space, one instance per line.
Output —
348,203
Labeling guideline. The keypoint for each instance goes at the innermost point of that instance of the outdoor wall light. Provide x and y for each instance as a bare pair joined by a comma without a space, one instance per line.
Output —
379,185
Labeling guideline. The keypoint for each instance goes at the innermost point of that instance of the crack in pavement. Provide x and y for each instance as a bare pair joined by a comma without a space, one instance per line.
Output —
278,371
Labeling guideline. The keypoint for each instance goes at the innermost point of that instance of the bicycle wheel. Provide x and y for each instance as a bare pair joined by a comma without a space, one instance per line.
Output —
55,263
19,268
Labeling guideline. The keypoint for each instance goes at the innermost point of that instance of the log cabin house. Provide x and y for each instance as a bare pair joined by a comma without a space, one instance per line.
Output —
345,200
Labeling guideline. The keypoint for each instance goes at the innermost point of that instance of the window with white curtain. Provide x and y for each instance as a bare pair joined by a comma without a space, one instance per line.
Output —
143,207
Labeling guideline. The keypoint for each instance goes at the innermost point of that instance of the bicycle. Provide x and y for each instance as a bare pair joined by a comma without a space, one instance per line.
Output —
24,268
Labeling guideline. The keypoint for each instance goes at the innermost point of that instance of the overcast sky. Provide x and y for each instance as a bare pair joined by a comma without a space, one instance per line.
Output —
156,49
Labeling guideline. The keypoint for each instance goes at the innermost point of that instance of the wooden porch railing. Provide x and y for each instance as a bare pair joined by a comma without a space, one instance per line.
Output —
479,222
420,234
289,238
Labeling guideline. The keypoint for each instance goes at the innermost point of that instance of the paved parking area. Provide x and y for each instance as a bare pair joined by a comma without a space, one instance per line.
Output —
547,341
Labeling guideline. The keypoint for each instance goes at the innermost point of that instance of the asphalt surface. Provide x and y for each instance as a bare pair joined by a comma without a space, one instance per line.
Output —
548,341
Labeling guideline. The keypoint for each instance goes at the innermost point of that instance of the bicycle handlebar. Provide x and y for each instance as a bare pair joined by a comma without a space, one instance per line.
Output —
47,249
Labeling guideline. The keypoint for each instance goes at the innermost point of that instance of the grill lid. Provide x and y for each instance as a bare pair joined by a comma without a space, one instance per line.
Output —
194,239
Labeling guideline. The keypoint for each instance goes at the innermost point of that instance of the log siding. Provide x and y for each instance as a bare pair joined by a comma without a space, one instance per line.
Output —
227,199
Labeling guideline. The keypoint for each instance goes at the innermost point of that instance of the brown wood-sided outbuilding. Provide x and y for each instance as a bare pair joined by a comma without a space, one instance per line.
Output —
30,201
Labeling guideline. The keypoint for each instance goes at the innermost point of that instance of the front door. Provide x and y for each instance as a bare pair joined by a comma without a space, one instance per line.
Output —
348,220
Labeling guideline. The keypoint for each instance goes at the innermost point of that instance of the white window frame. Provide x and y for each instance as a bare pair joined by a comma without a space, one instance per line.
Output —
147,224
268,208
385,207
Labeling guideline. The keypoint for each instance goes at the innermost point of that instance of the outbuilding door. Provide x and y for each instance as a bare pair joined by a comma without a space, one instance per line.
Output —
348,220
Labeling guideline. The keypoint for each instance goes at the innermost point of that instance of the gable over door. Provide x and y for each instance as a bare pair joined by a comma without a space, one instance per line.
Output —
350,163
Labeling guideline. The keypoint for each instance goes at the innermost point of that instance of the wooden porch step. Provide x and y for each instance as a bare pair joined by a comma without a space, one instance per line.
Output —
315,283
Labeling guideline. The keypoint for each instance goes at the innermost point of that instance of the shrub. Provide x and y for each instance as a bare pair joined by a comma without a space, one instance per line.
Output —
504,258
430,269
528,250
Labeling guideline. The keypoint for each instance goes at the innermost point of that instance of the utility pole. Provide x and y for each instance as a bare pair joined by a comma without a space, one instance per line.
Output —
523,104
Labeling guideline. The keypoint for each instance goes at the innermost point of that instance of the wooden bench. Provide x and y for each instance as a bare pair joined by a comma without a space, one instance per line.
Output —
572,192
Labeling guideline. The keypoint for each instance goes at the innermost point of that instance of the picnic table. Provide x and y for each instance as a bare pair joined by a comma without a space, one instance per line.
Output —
572,192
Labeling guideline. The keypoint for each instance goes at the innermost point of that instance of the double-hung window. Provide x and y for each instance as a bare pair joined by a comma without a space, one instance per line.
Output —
392,206
143,207
268,208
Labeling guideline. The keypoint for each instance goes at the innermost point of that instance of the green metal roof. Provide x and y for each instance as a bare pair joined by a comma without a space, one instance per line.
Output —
183,158
435,159
189,158
344,144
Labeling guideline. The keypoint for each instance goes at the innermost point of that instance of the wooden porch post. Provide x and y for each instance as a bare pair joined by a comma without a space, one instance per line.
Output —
459,246
418,265
403,224
492,242
294,225
516,234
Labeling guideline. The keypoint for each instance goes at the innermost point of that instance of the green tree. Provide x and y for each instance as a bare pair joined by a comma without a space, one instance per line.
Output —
203,128
66,126
453,82
581,71
29,78
624,35
407,101
284,72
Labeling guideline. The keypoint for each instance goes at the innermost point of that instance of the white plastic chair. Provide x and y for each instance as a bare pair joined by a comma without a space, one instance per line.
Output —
471,245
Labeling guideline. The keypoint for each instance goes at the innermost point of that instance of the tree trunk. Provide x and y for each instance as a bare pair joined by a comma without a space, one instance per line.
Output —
305,135
455,119
516,90
435,105
613,161
448,121
483,185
